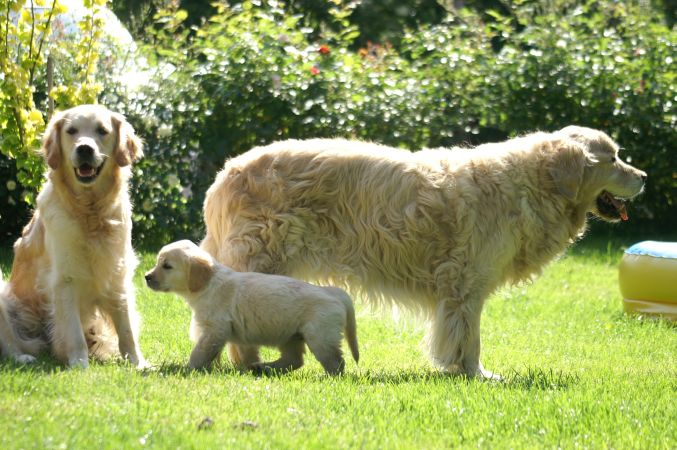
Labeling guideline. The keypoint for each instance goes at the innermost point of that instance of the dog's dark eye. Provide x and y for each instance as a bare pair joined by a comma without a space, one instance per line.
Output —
72,130
166,266
102,131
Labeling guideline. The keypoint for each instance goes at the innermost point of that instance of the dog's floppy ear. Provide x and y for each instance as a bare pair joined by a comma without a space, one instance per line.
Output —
51,143
567,166
128,147
201,271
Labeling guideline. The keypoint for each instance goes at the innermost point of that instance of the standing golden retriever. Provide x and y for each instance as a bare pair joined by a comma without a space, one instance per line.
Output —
437,230
73,265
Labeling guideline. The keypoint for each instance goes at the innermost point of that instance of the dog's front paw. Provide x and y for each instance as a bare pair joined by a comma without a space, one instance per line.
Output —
78,363
487,375
142,364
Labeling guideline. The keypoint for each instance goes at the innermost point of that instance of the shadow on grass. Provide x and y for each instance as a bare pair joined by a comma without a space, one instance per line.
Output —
540,379
527,379
44,365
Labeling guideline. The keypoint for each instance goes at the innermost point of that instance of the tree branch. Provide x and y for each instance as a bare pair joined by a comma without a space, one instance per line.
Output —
42,41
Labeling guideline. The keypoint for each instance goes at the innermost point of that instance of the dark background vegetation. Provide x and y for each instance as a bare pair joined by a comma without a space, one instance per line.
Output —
411,73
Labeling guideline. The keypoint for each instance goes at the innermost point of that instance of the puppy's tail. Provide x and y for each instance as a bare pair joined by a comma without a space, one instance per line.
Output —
12,343
351,326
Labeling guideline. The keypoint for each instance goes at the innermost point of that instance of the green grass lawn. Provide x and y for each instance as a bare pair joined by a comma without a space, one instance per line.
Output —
579,373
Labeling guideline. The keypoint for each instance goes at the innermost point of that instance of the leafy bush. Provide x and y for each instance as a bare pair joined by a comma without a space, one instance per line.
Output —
253,74
250,76
27,34
606,65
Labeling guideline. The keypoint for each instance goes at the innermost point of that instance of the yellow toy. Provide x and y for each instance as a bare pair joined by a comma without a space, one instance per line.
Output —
648,279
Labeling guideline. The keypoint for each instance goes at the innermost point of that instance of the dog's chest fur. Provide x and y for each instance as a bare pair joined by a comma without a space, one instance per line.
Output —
86,235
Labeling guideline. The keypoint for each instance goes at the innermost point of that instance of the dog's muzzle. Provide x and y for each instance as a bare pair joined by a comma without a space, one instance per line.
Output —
88,165
151,282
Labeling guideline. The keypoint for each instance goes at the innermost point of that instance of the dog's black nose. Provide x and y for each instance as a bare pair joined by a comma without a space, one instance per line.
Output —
84,151
644,177
148,277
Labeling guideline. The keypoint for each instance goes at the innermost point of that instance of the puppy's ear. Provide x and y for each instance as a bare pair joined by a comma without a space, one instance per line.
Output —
128,147
567,166
51,143
201,271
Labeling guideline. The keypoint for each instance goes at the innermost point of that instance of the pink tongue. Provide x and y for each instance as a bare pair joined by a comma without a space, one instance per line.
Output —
623,212
86,171
620,206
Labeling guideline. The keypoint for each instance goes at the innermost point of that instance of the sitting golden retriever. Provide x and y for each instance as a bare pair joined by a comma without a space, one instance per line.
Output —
73,265
255,309
437,230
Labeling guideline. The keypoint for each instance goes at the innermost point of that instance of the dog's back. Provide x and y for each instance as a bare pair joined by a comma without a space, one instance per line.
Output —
342,212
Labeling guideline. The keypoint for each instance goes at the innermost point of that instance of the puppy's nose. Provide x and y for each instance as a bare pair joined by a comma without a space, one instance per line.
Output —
84,151
644,177
148,277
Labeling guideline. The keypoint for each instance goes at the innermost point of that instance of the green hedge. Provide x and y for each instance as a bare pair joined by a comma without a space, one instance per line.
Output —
252,74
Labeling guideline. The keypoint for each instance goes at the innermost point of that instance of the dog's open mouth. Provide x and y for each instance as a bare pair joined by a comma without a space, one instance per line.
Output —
87,174
611,207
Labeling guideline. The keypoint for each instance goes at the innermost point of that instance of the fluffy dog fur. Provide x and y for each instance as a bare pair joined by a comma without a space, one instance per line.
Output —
255,309
437,230
12,345
71,280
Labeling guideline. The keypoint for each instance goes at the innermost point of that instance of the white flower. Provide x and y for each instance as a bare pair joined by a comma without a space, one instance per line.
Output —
164,130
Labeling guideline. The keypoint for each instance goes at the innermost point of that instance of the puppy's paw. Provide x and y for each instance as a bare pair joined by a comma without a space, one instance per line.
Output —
24,359
258,368
262,368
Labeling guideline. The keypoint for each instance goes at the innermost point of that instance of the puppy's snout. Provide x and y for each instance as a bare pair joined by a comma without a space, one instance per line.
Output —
643,175
84,151
150,280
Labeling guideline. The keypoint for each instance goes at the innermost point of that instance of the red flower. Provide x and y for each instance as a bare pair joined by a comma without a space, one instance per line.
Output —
314,70
324,49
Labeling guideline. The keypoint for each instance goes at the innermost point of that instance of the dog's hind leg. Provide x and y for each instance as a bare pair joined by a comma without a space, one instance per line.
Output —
325,343
10,343
291,358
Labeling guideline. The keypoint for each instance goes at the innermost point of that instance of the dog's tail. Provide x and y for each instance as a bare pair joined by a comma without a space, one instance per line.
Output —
351,326
12,342
101,337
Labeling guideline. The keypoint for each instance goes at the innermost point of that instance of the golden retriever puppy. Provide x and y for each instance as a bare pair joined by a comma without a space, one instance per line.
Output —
71,281
436,230
255,309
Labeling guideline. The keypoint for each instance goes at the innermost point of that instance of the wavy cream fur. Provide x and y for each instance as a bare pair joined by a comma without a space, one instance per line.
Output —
437,230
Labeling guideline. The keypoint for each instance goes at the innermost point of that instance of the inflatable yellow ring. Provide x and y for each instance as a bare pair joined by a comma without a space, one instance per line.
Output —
648,279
